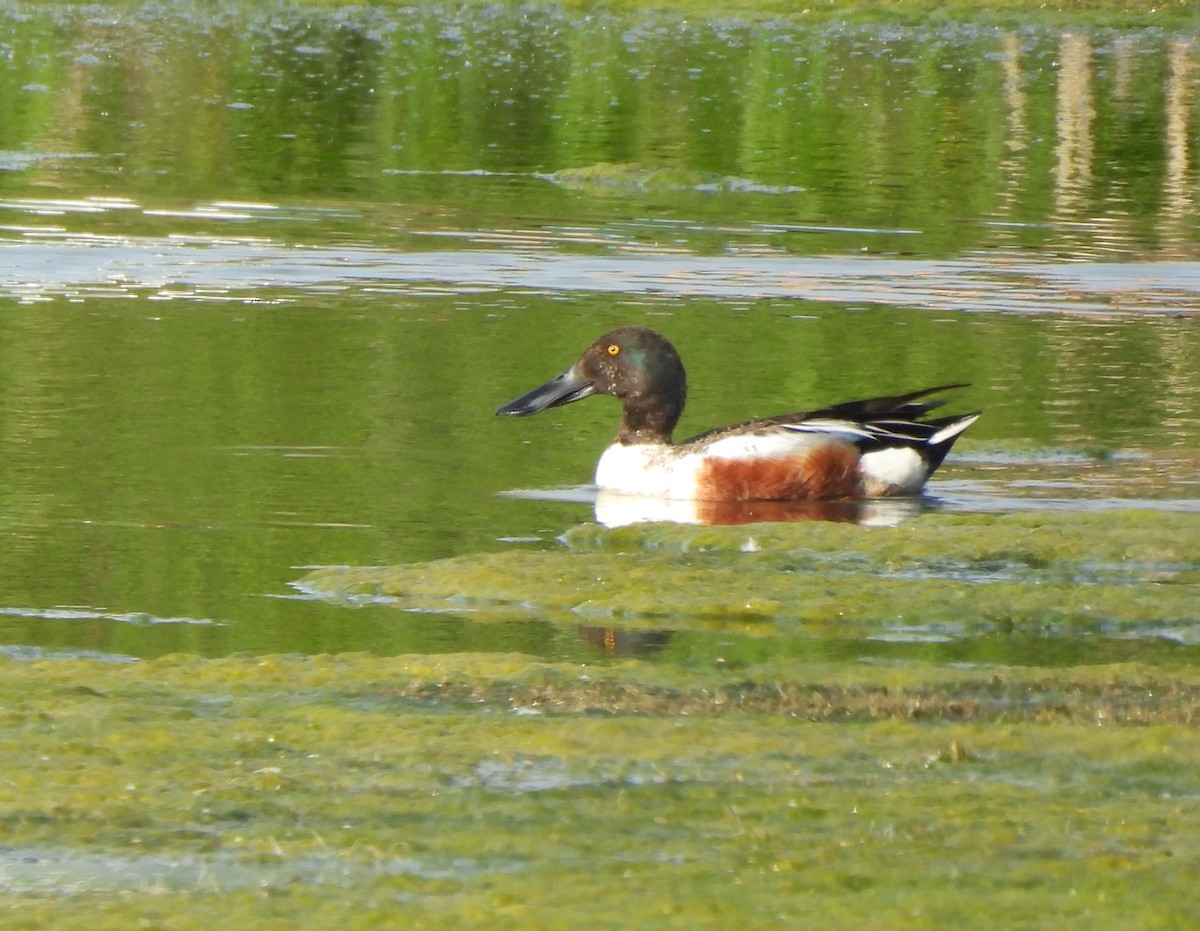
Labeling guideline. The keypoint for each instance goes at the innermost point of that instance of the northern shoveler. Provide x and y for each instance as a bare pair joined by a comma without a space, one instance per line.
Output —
877,447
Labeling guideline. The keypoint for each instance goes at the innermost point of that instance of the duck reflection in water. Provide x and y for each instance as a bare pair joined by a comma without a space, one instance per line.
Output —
617,510
614,642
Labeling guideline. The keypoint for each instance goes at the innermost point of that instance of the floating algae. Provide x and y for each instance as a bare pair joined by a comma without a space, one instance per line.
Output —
1117,574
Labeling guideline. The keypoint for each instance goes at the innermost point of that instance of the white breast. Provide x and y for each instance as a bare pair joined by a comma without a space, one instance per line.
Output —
647,469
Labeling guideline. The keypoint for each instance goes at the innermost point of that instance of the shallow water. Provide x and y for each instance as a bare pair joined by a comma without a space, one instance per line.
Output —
264,276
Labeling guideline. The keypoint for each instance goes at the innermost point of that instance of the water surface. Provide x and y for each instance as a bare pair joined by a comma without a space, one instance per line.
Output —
265,274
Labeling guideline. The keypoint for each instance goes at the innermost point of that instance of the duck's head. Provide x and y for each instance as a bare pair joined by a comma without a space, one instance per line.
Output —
634,364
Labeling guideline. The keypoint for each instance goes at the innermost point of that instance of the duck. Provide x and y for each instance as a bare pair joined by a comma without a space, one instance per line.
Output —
872,448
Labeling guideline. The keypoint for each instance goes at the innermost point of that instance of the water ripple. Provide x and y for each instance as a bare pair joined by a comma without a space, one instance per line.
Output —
57,263
92,614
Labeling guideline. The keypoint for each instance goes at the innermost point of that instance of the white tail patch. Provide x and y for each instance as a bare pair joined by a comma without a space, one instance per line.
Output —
893,470
952,430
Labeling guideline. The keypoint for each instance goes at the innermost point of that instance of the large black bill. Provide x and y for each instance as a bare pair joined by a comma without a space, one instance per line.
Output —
562,389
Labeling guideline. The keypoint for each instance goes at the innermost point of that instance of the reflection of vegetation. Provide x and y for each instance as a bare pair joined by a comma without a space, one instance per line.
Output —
917,126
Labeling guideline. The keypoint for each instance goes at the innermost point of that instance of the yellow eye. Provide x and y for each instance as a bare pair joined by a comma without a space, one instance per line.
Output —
613,349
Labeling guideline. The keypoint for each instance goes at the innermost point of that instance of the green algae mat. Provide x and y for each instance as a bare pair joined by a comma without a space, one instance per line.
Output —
957,573
364,792
778,783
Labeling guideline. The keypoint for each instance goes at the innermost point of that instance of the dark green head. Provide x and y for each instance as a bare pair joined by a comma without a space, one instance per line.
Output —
634,364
